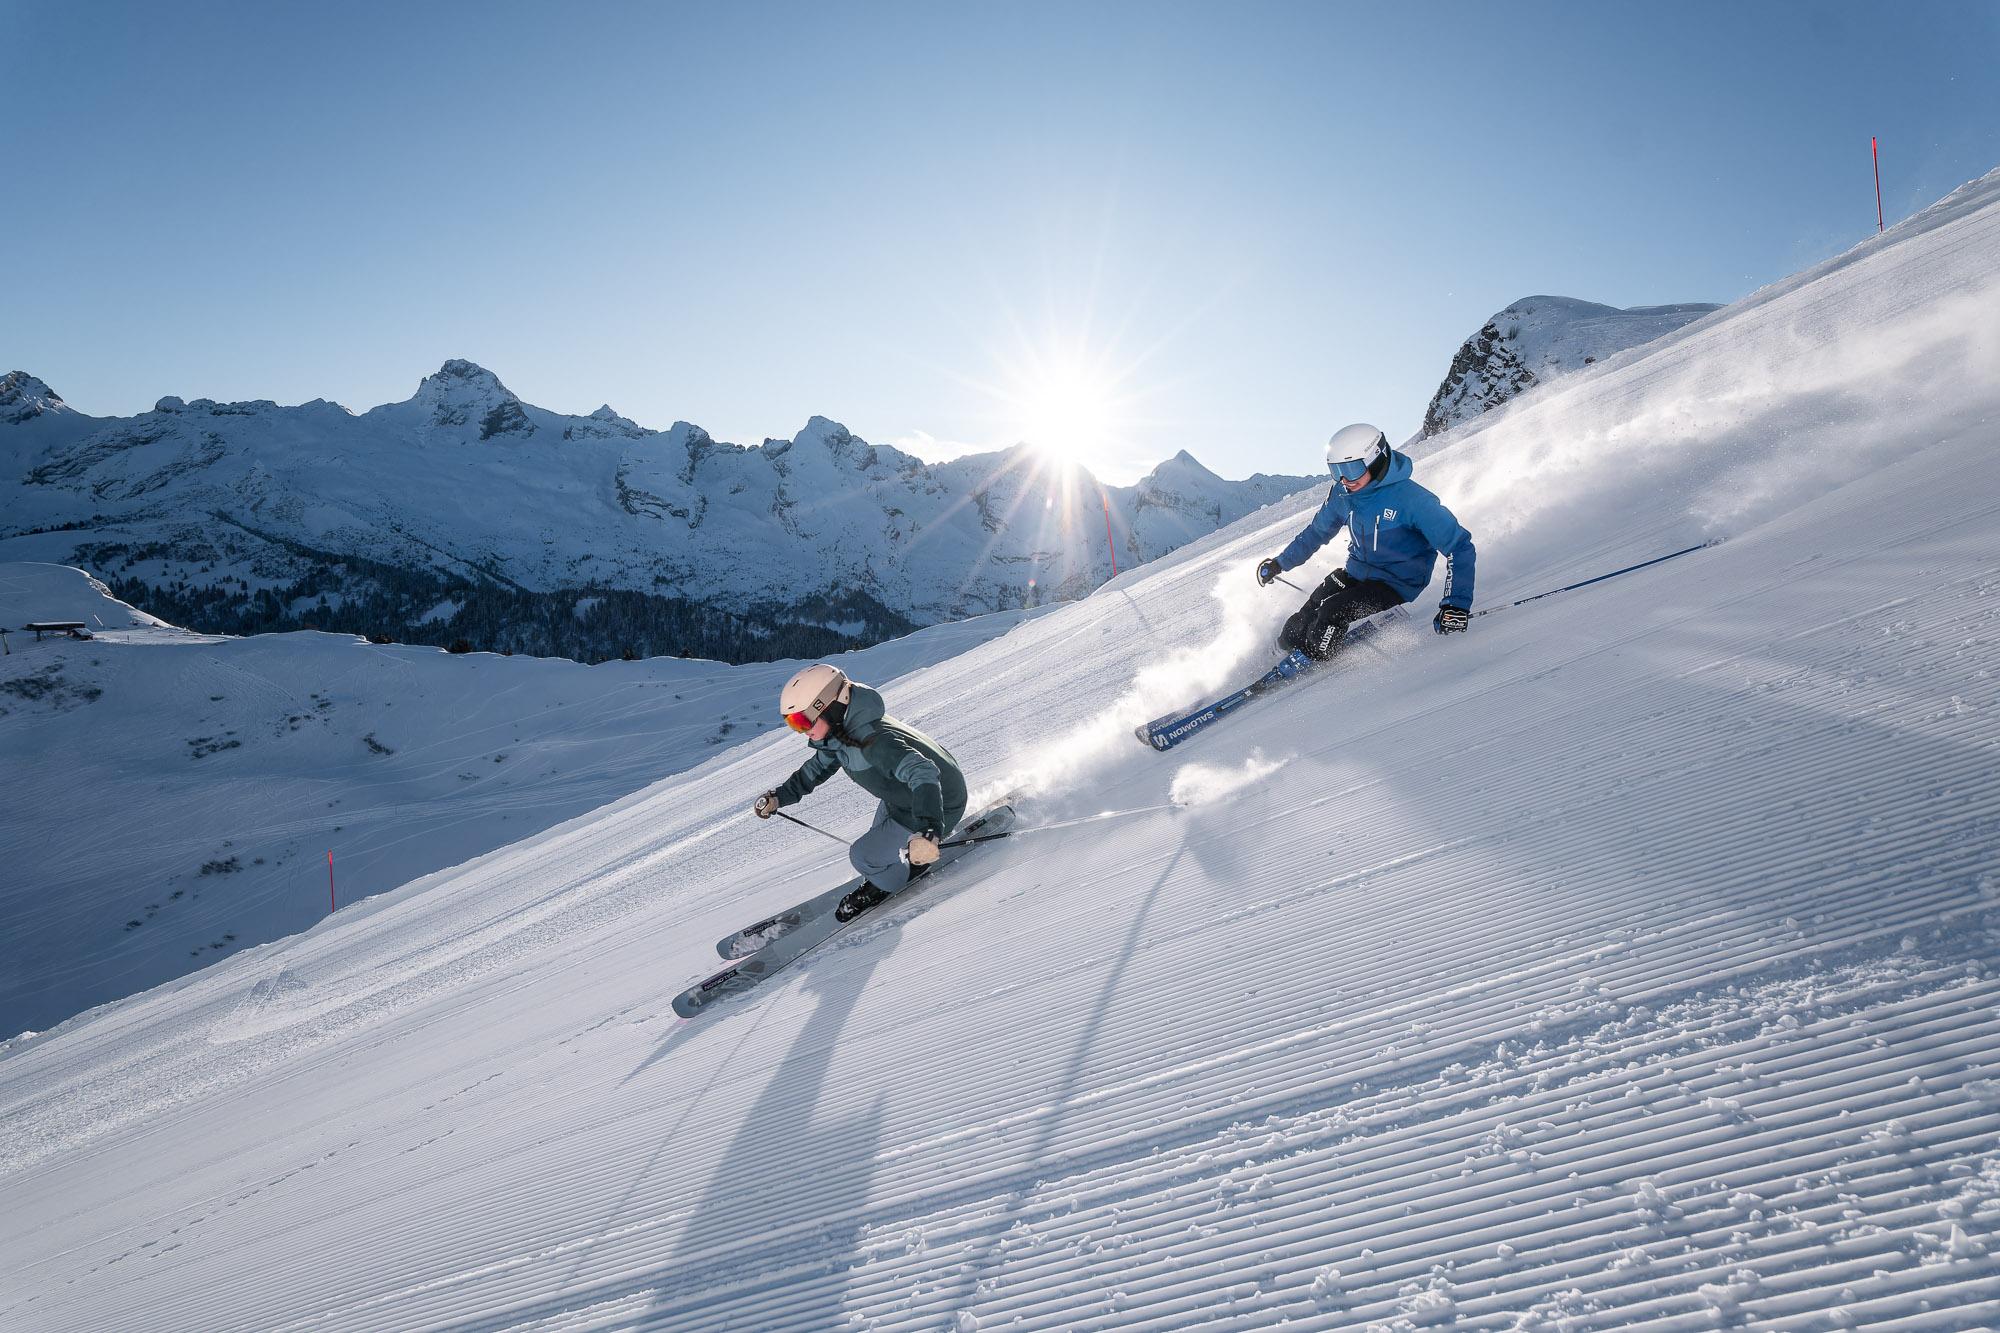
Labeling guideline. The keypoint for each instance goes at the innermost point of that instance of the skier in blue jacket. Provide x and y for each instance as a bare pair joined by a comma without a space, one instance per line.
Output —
1397,530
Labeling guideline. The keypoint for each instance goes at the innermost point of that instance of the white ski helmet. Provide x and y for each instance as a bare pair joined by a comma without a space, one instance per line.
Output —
1356,451
811,693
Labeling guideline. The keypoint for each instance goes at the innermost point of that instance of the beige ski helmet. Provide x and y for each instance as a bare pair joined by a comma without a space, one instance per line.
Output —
810,693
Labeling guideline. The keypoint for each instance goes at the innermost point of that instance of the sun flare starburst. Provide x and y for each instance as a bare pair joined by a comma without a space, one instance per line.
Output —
1068,412
1068,403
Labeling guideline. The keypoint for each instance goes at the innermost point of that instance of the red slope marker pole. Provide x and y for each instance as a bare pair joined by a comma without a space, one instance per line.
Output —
329,881
1109,544
1876,154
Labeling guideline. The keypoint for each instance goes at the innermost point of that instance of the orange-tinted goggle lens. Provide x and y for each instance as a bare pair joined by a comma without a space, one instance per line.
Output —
798,722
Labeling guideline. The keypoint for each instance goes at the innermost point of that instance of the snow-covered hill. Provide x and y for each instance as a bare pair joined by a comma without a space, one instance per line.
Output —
240,516
225,770
1536,340
1627,963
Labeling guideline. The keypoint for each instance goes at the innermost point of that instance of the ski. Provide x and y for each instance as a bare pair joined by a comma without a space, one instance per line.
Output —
744,942
777,942
1164,733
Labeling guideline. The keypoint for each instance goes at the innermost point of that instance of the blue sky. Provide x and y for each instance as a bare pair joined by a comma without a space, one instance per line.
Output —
1122,229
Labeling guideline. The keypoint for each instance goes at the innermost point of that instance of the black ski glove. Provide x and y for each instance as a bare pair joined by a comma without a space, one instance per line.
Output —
1267,570
1452,620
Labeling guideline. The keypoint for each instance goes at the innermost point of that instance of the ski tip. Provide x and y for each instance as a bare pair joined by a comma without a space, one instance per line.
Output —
699,996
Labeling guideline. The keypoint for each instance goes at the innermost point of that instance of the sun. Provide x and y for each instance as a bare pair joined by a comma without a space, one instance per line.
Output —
1068,413
1070,405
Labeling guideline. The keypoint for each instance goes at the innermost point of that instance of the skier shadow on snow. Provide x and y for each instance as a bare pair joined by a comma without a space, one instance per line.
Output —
1139,610
788,1195
985,1259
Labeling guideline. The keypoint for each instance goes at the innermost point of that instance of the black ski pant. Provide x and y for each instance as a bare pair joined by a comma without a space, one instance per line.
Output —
1317,628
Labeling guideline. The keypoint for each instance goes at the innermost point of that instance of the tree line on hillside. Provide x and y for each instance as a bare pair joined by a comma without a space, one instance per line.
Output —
395,604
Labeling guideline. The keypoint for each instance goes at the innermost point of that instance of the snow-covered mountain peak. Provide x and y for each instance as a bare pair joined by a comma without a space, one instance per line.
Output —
33,421
1180,470
23,397
685,435
459,374
462,394
603,424
820,434
1536,339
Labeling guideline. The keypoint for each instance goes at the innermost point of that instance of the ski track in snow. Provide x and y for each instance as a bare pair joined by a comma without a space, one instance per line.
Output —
1629,963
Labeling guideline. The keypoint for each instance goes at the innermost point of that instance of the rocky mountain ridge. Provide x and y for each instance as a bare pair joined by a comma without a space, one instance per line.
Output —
465,513
1537,339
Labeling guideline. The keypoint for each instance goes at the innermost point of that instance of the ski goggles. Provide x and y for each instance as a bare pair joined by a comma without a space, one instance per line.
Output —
1350,469
799,722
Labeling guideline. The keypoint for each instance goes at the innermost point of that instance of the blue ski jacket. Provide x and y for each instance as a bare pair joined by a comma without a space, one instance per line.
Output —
1399,529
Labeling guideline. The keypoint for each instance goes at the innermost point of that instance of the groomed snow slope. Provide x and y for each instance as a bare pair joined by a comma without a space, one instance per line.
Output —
1626,963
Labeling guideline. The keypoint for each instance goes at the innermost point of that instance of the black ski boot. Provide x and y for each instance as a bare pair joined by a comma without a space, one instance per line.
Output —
859,901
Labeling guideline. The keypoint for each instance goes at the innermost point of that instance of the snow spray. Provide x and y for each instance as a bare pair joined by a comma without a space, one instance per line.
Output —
1180,678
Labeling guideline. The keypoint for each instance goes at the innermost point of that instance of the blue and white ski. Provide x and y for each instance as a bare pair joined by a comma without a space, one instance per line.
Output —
1164,733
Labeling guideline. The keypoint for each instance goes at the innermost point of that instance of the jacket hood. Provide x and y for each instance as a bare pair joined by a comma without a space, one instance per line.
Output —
857,723
864,706
1400,468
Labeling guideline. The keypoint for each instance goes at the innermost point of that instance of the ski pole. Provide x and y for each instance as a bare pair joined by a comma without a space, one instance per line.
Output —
1571,587
814,827
1288,583
1061,824
984,837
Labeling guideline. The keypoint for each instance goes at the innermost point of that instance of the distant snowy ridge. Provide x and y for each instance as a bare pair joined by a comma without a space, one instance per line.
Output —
246,516
1533,341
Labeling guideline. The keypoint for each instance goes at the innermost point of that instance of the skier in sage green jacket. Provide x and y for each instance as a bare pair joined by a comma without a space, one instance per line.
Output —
919,785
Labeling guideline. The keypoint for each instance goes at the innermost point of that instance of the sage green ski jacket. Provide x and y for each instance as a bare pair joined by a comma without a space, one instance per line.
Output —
914,776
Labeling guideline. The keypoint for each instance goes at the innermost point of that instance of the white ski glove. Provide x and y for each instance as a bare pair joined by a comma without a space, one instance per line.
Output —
767,805
923,849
